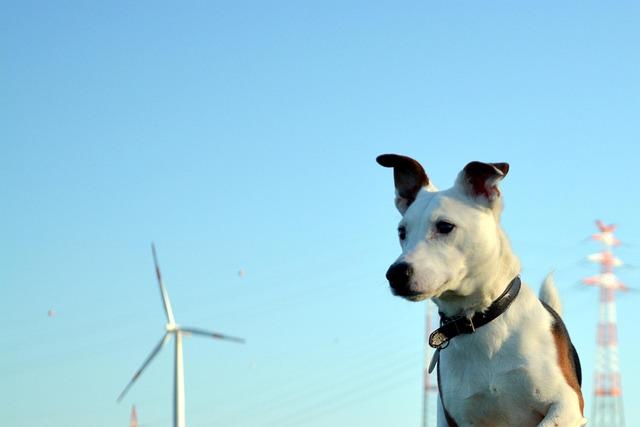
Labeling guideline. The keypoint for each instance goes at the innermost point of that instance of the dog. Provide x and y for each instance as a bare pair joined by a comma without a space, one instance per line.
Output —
504,356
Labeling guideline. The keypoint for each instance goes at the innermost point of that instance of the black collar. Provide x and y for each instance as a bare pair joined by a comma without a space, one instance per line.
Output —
453,326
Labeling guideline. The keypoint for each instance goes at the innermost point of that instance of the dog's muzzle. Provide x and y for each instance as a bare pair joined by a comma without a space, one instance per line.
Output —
399,277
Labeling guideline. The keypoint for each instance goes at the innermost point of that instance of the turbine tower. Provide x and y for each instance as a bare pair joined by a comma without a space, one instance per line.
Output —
607,389
176,331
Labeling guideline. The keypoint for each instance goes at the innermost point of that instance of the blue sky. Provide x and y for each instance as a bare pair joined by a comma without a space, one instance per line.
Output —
242,135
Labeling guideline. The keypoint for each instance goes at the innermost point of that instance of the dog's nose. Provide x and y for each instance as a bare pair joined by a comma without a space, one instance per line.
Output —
399,274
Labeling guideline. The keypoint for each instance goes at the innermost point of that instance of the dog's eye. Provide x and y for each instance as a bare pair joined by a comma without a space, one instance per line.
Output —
402,233
444,227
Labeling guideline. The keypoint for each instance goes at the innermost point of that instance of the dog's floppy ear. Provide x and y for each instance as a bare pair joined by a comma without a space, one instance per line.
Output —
409,178
480,180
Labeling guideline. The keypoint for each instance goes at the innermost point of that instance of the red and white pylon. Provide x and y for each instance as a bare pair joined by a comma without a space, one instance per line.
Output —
607,408
429,386
133,420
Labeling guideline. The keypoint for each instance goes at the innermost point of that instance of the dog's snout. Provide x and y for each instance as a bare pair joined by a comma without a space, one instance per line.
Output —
399,274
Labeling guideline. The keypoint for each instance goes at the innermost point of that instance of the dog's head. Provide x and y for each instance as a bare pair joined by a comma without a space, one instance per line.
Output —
449,238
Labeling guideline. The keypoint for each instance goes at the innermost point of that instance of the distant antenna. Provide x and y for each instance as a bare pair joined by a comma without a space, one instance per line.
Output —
176,331
134,417
607,388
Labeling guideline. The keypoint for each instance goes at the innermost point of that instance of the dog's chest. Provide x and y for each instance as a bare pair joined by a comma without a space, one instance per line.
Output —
496,399
487,388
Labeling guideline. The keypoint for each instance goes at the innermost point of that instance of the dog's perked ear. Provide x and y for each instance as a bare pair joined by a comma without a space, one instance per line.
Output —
409,178
480,180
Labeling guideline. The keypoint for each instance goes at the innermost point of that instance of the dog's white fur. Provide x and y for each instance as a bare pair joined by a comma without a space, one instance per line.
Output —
549,294
507,372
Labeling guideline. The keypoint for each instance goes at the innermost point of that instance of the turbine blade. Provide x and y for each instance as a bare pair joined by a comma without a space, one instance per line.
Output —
148,360
163,292
216,335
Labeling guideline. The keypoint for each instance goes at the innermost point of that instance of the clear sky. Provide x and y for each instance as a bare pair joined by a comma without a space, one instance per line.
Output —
242,135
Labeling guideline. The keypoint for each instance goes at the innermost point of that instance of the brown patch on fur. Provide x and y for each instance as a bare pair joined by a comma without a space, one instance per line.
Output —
566,361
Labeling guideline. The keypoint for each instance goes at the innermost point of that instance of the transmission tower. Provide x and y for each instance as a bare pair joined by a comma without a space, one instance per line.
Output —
607,389
429,387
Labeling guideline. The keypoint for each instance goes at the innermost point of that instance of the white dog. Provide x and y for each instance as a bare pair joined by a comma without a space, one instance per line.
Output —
504,356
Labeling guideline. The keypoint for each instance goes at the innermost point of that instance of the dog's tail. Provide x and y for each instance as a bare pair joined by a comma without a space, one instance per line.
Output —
549,294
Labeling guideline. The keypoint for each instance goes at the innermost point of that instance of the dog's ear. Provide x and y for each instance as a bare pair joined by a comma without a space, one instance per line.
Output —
480,180
409,178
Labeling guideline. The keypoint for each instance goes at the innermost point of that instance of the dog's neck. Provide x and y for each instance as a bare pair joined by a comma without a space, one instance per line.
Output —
479,288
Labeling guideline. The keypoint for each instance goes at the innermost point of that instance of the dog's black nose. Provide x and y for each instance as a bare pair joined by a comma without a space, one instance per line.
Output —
399,274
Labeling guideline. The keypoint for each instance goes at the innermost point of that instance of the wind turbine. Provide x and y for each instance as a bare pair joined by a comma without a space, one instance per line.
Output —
177,331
